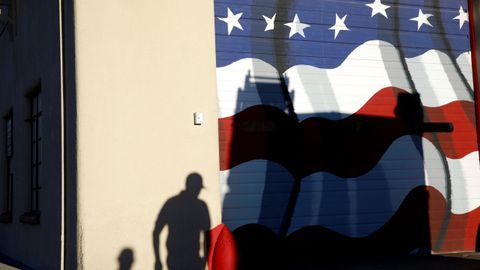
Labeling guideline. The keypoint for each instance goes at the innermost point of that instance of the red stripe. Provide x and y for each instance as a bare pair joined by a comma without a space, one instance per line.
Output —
461,141
462,228
347,147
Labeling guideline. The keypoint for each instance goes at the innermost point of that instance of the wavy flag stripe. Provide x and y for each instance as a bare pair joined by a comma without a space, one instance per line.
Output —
257,191
264,132
320,45
416,224
316,91
464,62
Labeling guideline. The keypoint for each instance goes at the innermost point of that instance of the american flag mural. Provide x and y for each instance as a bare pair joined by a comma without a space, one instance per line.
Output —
352,121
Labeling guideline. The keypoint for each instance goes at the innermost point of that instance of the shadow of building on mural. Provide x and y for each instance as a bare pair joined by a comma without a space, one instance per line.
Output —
126,259
188,222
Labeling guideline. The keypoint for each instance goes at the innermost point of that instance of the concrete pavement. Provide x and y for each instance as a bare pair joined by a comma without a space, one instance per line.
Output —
455,261
458,261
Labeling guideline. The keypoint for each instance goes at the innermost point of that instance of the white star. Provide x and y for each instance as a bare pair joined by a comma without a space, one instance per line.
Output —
232,20
462,17
339,25
377,7
422,19
270,22
296,27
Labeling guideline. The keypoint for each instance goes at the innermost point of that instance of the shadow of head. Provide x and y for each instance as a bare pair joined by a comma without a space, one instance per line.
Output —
126,259
194,184
410,110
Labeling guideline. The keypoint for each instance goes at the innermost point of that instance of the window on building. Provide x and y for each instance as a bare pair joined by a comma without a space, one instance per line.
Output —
6,216
32,216
8,18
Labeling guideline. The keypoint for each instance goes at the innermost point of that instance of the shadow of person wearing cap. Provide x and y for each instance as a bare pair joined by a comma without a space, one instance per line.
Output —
188,222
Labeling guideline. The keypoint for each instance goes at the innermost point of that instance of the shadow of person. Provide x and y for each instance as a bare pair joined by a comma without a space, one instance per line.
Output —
188,222
125,259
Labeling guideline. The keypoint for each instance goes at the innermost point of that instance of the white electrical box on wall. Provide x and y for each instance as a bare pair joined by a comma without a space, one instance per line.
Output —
198,118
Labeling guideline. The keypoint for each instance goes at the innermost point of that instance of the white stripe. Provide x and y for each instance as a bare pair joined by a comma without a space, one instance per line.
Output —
464,61
437,79
243,189
339,92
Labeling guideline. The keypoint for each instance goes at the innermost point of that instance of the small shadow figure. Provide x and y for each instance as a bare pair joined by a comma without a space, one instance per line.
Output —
187,218
126,259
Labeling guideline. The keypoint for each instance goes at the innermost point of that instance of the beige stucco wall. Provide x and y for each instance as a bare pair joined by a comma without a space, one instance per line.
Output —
143,68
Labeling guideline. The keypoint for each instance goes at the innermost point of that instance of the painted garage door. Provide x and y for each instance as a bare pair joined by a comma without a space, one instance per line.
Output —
349,121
